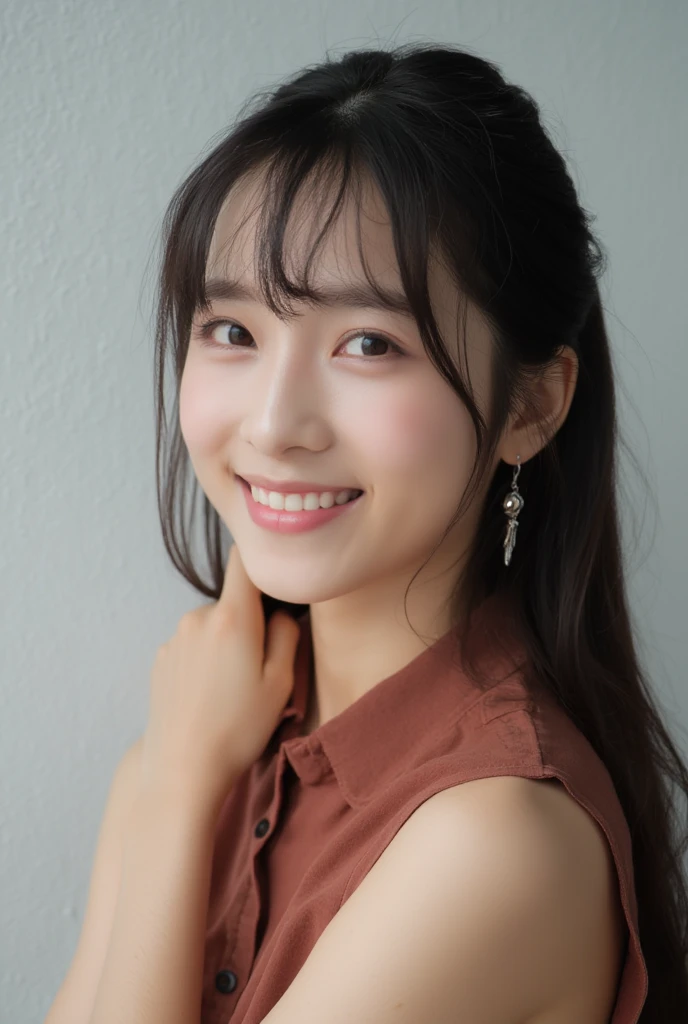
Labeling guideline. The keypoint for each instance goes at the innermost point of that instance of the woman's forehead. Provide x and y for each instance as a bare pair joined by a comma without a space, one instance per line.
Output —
359,239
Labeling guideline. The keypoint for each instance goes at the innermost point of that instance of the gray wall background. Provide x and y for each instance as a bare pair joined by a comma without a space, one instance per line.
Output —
104,108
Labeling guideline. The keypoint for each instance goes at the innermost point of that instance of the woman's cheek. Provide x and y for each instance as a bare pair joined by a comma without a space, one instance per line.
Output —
418,434
202,412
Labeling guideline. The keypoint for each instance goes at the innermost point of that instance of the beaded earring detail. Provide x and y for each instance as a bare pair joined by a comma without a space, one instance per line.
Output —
512,505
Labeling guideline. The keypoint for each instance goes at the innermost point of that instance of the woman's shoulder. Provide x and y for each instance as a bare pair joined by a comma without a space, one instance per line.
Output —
531,838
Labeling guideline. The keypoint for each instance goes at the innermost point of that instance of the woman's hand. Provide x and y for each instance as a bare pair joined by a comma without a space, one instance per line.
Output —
217,690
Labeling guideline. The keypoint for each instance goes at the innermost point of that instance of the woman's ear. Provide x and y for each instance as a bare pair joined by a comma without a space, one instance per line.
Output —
550,393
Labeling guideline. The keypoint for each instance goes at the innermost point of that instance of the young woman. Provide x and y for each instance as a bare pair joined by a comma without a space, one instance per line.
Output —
404,766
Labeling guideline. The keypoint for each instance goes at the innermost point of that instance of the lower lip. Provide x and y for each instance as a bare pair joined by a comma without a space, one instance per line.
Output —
283,521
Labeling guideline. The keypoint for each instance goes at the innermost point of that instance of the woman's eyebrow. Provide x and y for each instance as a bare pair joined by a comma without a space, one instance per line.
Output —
357,295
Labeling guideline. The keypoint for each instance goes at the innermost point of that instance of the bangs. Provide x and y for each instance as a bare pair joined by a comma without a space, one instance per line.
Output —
288,197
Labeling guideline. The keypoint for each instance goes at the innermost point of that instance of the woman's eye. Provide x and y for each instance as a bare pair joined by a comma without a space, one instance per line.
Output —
373,343
214,330
228,334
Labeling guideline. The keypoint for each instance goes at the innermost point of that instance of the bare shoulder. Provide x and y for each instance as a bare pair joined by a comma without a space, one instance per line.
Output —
558,854
530,809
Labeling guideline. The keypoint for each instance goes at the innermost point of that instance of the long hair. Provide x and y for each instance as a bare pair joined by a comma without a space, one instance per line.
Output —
467,172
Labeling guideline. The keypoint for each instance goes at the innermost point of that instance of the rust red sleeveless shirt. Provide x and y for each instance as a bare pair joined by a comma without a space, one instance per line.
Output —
302,827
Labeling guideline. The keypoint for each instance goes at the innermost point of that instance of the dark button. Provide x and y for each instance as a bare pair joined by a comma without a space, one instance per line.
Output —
262,827
225,981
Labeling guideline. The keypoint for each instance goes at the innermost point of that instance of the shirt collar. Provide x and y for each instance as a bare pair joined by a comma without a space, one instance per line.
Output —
394,724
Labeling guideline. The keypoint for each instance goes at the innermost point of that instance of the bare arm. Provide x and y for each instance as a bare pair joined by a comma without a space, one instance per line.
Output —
153,969
74,1000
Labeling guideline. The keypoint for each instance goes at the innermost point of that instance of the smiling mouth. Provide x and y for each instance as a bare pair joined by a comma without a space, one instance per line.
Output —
355,493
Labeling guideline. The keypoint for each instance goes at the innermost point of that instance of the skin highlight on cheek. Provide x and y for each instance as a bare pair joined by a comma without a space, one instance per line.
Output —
202,411
426,438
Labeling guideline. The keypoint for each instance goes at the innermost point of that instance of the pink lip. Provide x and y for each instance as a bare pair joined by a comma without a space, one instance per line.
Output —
282,521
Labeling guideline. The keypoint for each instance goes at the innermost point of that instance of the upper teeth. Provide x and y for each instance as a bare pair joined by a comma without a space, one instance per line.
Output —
300,502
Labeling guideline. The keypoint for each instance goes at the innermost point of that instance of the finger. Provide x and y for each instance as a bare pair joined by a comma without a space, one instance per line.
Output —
230,573
242,597
237,583
283,634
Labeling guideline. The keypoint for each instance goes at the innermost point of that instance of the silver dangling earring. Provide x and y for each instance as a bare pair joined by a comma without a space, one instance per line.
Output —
512,505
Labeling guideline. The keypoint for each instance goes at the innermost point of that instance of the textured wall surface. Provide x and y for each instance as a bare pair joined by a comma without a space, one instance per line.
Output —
104,107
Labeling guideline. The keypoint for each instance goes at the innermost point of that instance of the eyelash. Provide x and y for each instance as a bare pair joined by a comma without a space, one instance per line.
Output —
206,329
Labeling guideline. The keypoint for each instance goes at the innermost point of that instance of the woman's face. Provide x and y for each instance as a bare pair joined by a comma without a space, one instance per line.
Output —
317,399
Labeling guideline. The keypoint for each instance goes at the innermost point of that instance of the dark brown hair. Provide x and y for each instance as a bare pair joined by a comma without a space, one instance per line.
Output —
467,170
